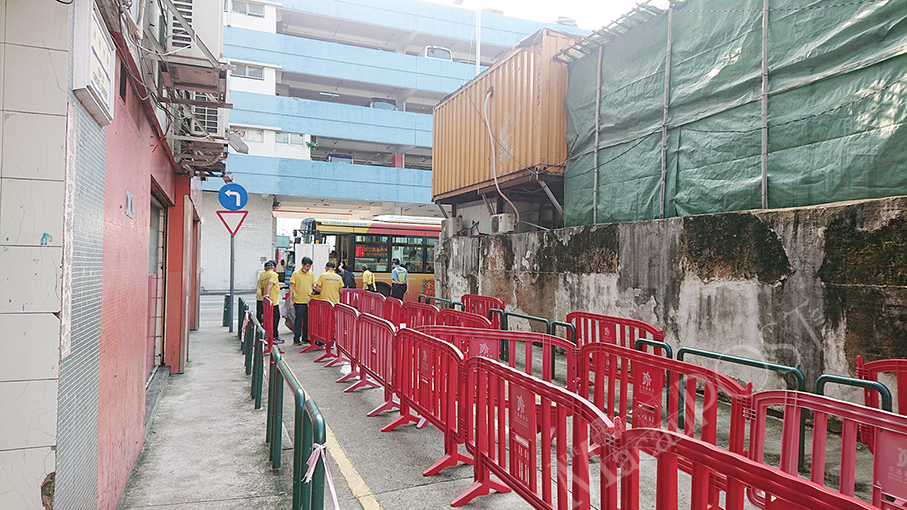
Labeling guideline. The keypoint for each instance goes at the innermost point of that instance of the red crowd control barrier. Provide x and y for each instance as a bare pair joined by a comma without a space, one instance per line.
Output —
351,297
474,342
346,320
417,314
871,371
593,327
321,325
501,410
451,317
783,491
393,311
608,374
888,430
428,379
268,319
482,305
371,302
375,356
321,328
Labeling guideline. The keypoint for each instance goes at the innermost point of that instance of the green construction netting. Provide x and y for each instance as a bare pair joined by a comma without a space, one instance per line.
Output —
837,110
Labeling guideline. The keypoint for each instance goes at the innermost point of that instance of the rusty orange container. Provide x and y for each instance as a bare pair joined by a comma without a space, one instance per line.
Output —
526,113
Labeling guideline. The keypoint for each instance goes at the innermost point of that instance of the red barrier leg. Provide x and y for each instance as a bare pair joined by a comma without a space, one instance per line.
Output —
363,382
482,486
452,457
337,361
388,404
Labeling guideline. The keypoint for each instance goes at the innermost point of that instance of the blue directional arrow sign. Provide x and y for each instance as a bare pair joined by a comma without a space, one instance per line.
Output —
233,196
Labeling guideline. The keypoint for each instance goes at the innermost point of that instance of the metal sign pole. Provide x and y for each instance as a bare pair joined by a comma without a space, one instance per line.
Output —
230,309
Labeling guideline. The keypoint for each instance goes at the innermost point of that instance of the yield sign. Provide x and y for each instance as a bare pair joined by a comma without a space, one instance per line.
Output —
232,220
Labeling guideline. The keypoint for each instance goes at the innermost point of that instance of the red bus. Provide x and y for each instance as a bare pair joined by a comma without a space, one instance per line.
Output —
374,244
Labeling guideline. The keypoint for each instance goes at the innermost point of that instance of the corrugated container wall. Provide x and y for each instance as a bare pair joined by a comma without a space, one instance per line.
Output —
526,114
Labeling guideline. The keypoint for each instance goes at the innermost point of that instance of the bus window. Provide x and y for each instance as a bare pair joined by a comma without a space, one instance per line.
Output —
371,250
430,254
409,251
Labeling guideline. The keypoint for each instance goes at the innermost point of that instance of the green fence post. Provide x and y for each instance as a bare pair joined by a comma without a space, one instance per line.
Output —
316,434
257,371
228,316
240,317
276,416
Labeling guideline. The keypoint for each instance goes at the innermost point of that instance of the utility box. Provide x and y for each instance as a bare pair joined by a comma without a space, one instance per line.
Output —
527,116
503,223
452,226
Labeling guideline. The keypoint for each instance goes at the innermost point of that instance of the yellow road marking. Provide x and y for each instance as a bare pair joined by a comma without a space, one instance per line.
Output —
356,483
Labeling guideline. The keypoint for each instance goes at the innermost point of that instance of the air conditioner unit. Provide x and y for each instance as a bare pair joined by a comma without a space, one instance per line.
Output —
503,223
451,227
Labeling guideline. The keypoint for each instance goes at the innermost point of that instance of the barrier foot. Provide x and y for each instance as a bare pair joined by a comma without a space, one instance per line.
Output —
422,423
478,489
311,348
403,419
347,377
327,355
363,383
337,361
448,460
387,406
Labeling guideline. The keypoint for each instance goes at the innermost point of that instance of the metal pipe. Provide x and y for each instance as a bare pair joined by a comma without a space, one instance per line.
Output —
664,121
598,110
551,197
765,5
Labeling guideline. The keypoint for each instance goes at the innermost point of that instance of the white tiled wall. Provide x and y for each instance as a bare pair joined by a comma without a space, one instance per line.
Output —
34,65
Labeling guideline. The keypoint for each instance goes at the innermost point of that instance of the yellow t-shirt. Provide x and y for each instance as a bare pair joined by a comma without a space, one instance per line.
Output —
368,278
263,280
330,283
302,285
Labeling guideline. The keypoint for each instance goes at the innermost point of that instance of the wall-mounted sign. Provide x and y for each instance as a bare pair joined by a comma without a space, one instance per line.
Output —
93,61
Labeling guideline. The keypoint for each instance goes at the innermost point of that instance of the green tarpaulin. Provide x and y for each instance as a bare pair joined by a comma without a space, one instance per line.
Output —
837,106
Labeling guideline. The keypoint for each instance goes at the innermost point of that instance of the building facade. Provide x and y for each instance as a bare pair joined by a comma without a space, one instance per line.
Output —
334,101
100,182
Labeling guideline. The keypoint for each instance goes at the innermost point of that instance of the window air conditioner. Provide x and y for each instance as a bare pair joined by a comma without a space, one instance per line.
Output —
451,227
503,223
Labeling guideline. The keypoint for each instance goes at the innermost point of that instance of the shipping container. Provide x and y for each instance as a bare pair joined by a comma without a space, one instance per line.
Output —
527,117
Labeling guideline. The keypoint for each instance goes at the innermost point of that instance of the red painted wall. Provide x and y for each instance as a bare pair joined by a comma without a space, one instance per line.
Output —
133,155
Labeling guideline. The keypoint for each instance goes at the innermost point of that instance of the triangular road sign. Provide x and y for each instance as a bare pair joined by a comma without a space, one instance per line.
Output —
232,220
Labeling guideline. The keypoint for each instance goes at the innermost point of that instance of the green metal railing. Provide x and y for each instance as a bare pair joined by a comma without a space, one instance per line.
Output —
565,325
859,383
257,367
228,312
774,367
252,335
505,326
241,310
447,303
654,343
309,430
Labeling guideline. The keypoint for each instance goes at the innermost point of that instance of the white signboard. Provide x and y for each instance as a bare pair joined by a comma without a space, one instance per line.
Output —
93,61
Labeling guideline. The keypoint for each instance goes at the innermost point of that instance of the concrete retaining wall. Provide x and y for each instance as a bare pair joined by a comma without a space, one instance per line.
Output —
810,287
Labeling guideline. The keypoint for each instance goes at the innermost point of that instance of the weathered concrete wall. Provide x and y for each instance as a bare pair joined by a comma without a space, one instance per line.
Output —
809,287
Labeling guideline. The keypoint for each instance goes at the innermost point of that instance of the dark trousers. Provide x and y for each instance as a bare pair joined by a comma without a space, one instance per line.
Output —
398,290
301,323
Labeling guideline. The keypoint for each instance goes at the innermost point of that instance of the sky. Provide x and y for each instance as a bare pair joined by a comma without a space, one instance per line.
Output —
589,14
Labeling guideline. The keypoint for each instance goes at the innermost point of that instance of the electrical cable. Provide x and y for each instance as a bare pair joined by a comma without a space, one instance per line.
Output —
494,158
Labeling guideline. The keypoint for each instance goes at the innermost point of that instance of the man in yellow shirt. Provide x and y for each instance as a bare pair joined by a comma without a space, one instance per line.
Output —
268,286
368,279
329,284
301,284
